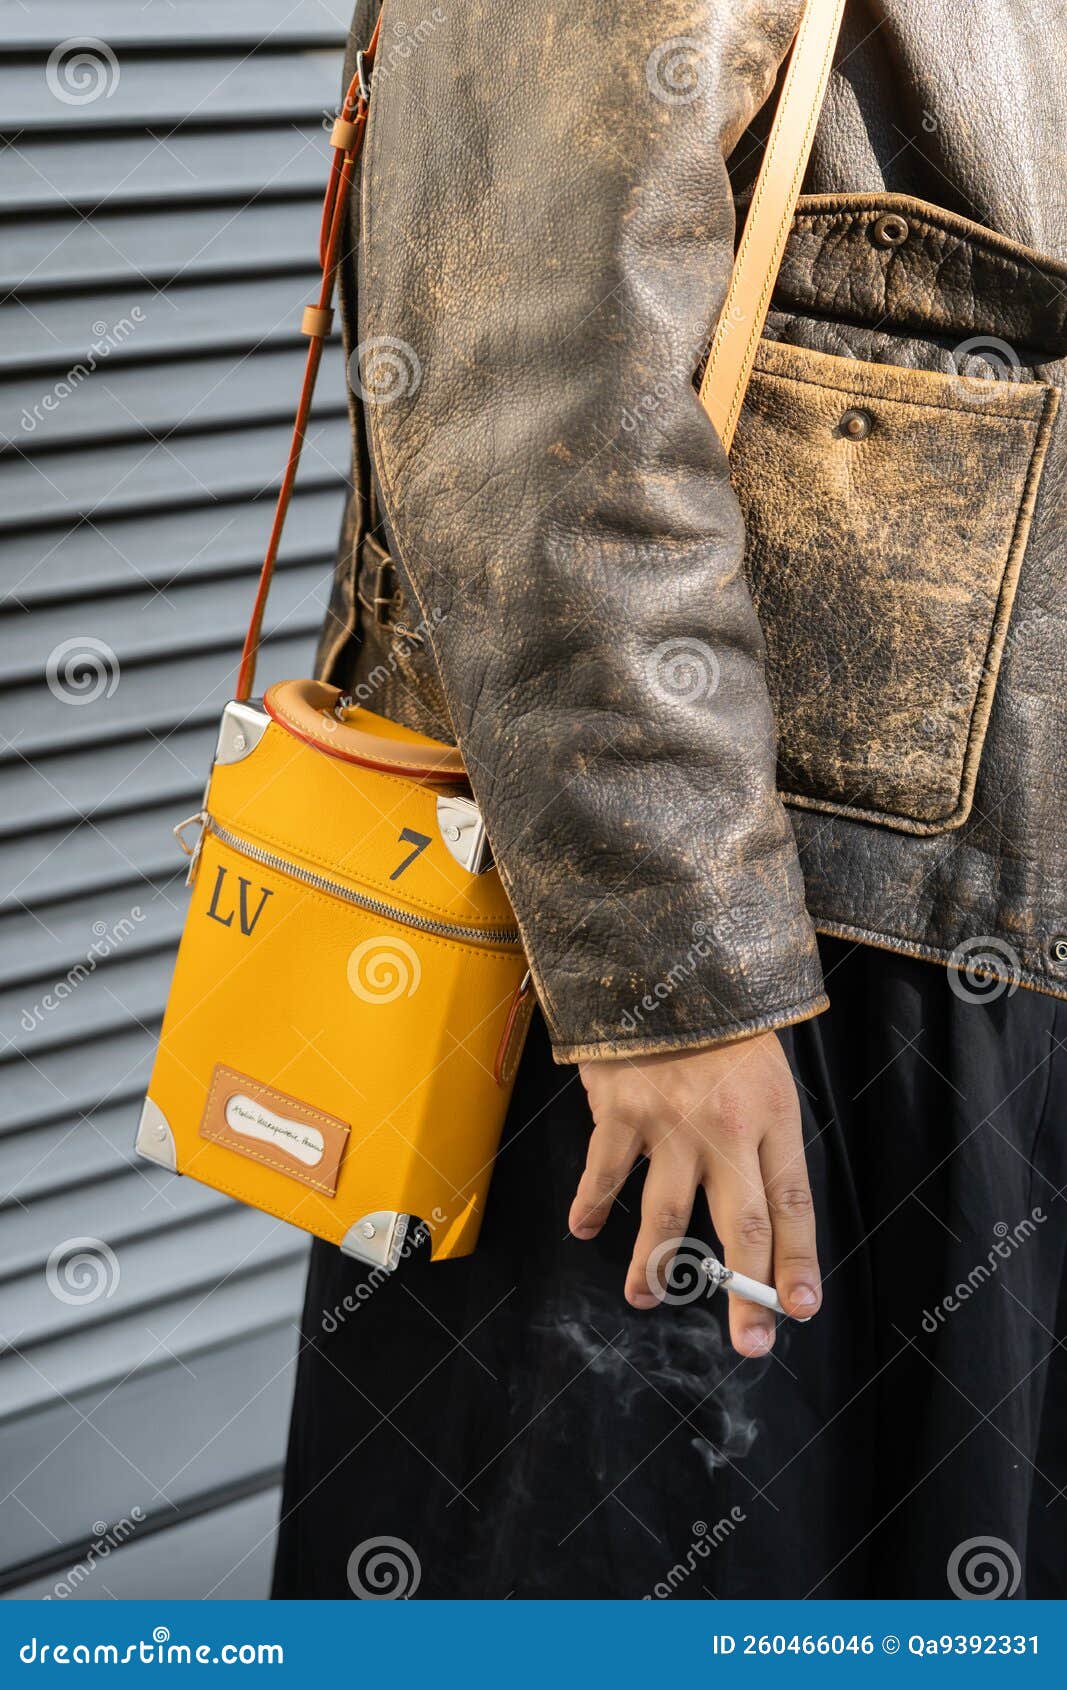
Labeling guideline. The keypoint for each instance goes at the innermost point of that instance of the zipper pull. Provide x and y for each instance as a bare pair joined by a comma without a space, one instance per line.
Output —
192,851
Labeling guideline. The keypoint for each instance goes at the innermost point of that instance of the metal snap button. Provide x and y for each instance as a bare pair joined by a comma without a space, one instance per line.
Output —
856,424
891,229
1059,950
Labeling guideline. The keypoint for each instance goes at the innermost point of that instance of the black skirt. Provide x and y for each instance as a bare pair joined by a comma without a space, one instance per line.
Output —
507,1426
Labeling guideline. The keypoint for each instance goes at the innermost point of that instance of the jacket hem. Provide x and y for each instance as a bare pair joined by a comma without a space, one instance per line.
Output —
1024,977
699,1039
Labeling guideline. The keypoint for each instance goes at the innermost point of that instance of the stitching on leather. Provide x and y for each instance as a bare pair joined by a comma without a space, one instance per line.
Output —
785,1017
384,774
858,202
281,1214
307,852
259,832
490,947
316,1117
322,737
786,219
1009,584
992,654
962,408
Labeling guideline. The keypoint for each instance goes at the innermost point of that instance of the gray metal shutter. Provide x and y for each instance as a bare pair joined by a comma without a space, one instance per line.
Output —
159,197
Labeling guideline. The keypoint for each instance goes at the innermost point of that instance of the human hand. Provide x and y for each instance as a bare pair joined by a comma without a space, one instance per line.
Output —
728,1120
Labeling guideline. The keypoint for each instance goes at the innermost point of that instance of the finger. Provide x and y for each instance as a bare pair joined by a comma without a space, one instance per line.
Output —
742,1220
666,1210
796,1262
613,1151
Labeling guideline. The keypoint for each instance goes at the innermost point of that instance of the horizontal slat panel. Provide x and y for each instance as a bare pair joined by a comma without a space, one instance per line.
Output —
134,511
120,852
44,944
223,1555
161,547
200,1315
132,1206
138,323
160,1264
190,469
62,1084
141,169
70,254
67,1153
196,88
238,389
198,687
159,1441
193,23
121,990
130,776
143,626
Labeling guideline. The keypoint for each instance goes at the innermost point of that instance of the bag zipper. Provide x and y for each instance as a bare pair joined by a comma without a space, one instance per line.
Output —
322,883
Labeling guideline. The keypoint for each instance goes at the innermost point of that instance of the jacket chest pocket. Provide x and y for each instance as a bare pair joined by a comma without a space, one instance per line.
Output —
887,511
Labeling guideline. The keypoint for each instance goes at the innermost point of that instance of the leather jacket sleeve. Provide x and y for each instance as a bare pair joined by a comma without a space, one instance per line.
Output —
546,238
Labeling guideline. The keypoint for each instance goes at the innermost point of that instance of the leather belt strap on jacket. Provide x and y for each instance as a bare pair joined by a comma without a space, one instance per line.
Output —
744,312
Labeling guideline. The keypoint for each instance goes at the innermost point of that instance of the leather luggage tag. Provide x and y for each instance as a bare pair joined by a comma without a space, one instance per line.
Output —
274,1129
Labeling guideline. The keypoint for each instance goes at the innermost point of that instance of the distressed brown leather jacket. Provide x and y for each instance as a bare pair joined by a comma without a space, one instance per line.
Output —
710,707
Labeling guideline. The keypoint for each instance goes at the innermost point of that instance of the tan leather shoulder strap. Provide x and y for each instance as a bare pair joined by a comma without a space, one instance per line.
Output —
770,216
346,139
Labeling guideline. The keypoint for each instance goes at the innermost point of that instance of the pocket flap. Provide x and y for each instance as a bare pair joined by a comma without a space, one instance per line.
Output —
894,262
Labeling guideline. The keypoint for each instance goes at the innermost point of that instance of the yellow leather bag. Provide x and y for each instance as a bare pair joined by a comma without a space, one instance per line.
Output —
350,995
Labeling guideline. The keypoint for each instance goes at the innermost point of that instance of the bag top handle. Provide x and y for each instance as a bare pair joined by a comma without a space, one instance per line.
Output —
748,297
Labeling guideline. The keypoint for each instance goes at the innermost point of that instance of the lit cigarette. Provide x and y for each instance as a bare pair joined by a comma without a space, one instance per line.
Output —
739,1284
